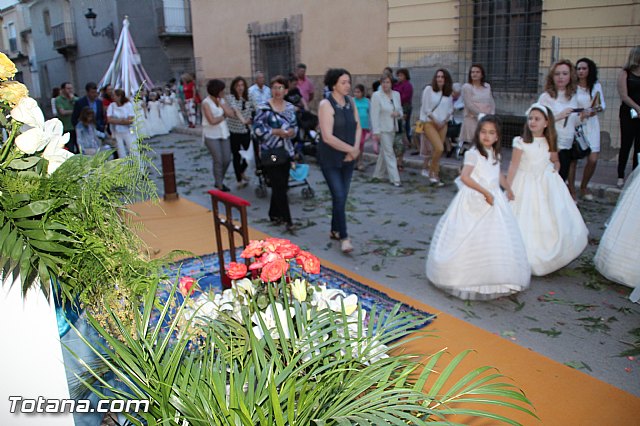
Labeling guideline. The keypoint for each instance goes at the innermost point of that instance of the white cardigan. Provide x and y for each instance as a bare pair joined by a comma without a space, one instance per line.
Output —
381,109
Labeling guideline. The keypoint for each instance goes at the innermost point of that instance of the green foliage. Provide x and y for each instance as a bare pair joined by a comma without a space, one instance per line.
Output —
320,375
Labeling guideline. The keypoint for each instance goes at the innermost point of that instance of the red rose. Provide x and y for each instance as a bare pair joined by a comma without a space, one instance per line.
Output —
236,271
186,286
273,271
310,263
254,249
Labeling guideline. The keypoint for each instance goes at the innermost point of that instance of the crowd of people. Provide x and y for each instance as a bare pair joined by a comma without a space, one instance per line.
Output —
524,223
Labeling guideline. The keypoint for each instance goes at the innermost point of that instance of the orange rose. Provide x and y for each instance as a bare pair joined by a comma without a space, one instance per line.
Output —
254,249
236,270
310,263
270,245
186,286
273,271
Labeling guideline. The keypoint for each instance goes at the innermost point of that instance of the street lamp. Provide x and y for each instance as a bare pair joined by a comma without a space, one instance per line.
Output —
91,22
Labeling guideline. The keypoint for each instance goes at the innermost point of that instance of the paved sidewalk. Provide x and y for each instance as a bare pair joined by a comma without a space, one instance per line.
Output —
573,316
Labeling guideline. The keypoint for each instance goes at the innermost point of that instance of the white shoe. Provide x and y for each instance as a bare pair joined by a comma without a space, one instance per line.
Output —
434,180
620,183
425,173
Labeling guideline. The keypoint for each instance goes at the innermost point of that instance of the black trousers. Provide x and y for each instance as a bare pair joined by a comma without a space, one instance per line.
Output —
629,137
239,141
279,178
565,158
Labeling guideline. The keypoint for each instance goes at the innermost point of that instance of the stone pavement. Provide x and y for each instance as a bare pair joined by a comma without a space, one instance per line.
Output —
573,316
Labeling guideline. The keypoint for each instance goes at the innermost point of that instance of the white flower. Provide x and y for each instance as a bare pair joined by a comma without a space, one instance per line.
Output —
333,299
28,112
269,318
299,290
244,286
55,152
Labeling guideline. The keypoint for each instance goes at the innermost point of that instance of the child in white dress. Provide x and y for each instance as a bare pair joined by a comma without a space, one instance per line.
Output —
477,252
552,227
619,250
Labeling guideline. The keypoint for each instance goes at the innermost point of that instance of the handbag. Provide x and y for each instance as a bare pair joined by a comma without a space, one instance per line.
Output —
274,157
580,147
419,127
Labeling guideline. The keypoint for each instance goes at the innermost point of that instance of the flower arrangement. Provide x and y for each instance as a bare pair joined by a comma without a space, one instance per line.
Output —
61,215
267,289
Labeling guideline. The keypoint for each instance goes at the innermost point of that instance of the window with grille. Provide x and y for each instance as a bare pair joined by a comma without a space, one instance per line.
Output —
275,56
13,40
506,40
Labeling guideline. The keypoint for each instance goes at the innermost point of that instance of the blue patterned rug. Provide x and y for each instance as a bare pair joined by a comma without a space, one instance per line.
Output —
206,270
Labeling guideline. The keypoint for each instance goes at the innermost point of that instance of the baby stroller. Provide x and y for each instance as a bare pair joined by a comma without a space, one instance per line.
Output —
297,177
308,137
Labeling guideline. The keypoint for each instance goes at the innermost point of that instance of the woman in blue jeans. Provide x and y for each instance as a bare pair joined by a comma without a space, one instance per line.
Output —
339,148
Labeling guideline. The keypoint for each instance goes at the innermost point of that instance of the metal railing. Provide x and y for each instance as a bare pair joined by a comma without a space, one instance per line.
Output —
64,35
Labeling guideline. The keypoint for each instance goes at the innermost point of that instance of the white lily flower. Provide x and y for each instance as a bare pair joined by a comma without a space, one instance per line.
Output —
28,112
244,286
37,138
299,289
269,318
333,299
55,152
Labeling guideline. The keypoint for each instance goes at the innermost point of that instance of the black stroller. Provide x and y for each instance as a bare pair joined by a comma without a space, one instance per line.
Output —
297,177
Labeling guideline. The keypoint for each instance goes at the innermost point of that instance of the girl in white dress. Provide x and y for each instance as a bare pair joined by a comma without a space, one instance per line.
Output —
477,252
552,227
155,125
619,251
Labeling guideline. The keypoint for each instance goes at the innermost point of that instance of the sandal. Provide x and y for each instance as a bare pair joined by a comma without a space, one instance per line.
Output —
346,246
334,235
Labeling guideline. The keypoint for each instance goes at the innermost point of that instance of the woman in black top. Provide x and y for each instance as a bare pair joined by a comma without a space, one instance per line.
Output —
339,148
629,90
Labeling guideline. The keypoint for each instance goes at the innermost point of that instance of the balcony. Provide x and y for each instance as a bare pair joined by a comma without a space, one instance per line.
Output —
174,18
64,37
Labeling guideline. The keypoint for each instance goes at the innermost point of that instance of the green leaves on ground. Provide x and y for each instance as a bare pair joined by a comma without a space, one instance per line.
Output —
551,332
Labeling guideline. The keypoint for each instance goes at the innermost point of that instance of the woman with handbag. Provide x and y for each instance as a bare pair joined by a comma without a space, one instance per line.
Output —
560,97
591,99
386,111
629,90
240,136
339,148
477,99
275,126
215,131
435,112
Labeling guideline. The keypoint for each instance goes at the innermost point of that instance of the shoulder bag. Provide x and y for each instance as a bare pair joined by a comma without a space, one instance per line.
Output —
580,147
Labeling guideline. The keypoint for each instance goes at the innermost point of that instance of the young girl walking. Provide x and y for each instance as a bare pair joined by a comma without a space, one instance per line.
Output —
363,105
551,225
477,252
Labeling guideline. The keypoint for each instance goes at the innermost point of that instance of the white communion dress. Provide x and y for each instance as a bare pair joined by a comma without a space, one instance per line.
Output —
552,227
619,249
155,125
477,252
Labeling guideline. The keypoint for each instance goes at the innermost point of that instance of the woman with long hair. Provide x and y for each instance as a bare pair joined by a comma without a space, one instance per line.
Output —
240,136
477,99
435,112
560,97
629,90
591,99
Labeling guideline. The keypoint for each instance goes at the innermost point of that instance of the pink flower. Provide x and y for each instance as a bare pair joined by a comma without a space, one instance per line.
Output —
274,270
186,286
254,249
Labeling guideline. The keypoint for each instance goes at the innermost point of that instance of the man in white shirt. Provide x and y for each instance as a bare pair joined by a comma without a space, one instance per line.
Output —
259,93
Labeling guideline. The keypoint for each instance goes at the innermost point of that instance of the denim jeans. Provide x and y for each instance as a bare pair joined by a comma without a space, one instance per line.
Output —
339,180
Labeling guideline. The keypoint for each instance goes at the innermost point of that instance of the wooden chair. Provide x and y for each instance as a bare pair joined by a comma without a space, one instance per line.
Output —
219,220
